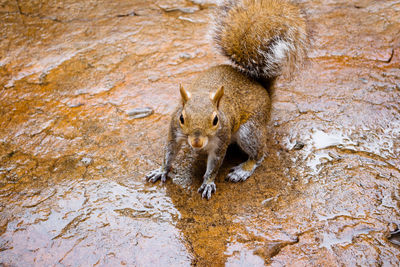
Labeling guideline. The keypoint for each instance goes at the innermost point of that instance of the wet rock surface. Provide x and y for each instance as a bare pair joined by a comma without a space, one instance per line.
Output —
74,75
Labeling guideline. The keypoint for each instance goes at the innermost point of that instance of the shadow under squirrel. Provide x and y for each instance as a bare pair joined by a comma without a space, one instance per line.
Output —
227,103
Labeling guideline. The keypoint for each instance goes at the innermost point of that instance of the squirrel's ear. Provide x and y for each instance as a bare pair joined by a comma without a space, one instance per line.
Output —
184,94
216,97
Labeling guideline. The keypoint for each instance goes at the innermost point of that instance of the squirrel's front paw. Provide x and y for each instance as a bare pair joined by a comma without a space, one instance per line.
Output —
207,189
154,175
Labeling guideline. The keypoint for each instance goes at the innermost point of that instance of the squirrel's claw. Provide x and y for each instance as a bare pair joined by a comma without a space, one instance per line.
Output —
154,175
207,189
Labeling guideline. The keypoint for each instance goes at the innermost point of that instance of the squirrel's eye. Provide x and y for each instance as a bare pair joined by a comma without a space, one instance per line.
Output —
215,121
181,119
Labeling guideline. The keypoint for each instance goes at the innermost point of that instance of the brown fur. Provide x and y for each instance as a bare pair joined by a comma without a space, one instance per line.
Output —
246,31
241,99
226,104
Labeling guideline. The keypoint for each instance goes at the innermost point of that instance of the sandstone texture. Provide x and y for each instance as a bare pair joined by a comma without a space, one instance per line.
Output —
86,89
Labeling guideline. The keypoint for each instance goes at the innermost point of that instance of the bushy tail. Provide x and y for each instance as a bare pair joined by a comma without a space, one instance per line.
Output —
264,38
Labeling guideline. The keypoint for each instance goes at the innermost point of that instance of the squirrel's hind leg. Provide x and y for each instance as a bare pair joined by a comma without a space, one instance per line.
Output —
251,139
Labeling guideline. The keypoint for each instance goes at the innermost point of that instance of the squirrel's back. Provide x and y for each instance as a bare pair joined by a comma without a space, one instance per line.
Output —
263,38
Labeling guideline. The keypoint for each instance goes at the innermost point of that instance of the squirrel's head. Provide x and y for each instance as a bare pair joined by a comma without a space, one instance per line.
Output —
200,118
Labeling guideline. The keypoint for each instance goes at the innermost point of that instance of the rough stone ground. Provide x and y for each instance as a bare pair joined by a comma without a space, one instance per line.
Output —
74,76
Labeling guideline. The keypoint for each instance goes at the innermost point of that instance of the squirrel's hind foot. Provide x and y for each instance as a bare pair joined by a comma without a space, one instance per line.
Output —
237,174
242,171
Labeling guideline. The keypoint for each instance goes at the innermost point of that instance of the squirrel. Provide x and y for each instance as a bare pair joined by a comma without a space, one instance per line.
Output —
231,103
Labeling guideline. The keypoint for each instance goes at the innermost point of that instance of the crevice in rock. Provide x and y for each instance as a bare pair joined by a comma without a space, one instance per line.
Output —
369,155
20,12
346,58
391,56
130,14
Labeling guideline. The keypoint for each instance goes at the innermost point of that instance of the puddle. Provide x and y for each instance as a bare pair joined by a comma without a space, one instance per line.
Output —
331,239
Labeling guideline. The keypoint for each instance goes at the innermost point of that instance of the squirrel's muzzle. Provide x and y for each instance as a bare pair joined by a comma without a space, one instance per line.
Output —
197,142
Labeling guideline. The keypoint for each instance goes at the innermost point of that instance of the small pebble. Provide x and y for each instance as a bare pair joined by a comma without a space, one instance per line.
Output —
138,113
190,20
185,55
188,10
299,145
75,105
153,78
86,161
265,201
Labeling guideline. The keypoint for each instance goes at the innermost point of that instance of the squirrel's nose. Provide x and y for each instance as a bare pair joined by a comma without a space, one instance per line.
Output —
197,133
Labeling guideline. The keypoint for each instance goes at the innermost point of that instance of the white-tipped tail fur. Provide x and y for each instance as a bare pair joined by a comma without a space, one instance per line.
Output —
264,38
